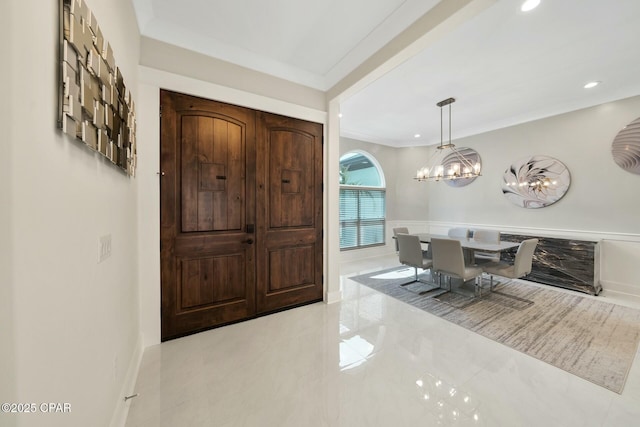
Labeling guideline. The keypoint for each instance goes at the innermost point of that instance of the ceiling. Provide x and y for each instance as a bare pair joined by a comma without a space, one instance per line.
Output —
503,66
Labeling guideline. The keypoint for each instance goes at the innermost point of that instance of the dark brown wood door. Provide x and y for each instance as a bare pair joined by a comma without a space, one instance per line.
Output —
289,206
207,211
240,213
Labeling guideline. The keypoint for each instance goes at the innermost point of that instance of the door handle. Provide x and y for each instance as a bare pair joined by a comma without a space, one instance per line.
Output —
249,241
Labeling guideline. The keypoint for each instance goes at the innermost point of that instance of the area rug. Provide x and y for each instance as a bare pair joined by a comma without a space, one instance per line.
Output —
592,339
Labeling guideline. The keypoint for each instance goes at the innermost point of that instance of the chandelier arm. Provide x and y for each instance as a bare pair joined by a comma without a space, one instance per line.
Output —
462,158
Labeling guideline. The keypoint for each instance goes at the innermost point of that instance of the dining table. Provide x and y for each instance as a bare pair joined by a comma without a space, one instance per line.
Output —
469,243
469,246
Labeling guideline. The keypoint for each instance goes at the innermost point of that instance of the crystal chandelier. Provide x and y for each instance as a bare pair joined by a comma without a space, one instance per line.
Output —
448,163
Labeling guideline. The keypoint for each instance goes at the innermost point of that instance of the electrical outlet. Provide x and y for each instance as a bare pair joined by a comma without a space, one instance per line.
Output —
104,248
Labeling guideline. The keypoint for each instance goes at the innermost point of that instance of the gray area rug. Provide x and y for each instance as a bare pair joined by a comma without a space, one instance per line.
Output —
592,339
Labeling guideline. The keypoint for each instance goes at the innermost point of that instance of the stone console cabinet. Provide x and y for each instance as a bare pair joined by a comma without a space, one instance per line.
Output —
567,263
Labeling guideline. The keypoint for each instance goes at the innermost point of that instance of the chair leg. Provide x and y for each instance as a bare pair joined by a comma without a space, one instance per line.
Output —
414,280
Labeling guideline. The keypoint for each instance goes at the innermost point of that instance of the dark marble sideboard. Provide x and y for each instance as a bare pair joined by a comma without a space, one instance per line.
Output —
567,263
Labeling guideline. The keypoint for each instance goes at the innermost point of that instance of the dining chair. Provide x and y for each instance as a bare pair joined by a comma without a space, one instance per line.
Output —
448,260
458,232
486,236
410,253
521,265
399,230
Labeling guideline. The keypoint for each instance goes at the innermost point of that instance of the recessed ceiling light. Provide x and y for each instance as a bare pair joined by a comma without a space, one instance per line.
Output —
340,115
529,5
417,135
591,84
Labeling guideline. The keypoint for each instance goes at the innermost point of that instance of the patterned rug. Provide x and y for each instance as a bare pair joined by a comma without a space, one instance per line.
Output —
592,339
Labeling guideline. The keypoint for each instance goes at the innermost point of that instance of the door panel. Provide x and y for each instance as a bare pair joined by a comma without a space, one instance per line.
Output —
291,180
211,280
240,213
289,240
287,274
212,174
207,197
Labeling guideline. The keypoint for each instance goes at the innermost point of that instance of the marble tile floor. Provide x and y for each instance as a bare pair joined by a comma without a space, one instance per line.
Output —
369,360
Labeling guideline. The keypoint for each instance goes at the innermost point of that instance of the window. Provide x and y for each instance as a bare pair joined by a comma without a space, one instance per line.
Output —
362,202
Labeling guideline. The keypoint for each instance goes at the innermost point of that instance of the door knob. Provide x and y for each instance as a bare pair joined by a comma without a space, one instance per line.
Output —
249,241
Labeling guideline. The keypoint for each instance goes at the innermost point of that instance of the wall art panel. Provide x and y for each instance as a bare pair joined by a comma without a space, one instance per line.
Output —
95,106
535,182
453,161
626,147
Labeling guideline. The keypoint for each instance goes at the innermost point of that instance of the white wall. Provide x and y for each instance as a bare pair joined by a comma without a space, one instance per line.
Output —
7,335
74,321
602,197
149,153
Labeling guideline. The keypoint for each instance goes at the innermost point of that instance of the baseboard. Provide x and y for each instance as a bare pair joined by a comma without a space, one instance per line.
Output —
119,418
620,288
331,297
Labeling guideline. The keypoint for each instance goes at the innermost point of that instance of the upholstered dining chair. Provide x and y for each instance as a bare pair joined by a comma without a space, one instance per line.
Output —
399,230
448,260
411,254
458,232
521,265
486,236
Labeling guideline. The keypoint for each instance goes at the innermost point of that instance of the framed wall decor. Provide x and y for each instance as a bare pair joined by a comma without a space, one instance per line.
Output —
94,104
453,160
535,182
625,147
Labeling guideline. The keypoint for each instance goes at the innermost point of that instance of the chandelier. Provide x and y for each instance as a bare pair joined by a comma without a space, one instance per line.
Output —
449,163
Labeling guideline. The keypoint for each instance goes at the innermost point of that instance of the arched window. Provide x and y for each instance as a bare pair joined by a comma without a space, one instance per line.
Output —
362,201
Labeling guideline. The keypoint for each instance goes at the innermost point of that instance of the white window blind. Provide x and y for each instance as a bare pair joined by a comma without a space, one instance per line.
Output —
362,217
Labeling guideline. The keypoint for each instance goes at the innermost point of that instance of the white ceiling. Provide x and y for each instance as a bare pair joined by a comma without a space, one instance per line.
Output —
503,66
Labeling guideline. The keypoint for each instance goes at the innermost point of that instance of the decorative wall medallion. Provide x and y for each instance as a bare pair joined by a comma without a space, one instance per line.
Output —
626,147
453,162
535,182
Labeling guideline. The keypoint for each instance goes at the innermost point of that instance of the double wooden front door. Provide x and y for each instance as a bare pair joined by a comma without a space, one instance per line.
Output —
240,213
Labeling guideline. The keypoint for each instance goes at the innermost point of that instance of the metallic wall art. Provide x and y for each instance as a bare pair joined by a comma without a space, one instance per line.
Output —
535,182
453,162
626,147
94,104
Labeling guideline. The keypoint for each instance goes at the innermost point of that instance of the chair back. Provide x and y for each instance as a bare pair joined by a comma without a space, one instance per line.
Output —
524,257
486,236
409,250
448,257
458,232
399,230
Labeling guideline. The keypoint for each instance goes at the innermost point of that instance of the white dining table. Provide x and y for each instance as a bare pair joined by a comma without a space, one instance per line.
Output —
470,244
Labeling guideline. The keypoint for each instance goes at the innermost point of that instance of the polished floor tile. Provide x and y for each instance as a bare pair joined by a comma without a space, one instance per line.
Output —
369,360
